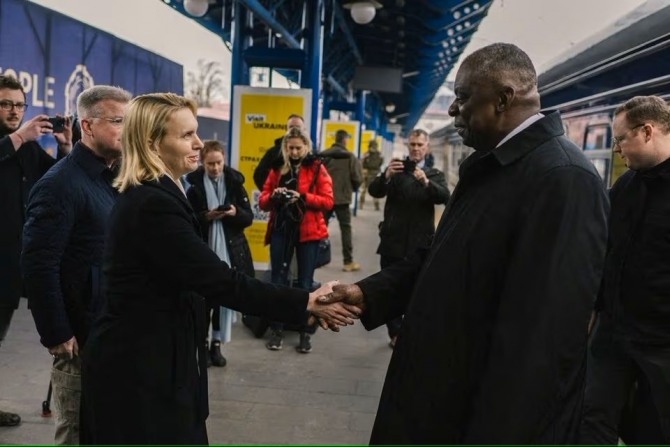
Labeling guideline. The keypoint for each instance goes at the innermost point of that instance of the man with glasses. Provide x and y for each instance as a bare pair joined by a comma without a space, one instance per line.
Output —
63,242
631,339
22,163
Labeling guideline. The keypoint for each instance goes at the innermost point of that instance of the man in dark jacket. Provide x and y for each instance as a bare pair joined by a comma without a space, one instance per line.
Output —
632,335
412,190
492,349
271,155
63,242
345,170
22,163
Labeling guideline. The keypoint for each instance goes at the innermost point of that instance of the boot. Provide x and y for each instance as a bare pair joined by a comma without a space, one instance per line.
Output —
215,354
276,340
305,345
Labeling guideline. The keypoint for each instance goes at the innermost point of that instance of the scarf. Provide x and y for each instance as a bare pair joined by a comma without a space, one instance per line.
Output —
217,236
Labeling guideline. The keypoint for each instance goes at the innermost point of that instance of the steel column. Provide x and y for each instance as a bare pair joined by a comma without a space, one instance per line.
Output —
311,72
239,70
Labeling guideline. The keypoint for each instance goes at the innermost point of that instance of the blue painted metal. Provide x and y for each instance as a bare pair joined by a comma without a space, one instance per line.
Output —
425,36
239,70
264,15
311,73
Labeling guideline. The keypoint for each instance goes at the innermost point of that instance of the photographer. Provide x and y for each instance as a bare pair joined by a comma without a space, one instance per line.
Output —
297,191
22,163
411,190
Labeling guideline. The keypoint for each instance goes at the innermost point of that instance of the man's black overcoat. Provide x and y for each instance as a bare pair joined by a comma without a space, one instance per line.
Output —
144,368
492,348
19,170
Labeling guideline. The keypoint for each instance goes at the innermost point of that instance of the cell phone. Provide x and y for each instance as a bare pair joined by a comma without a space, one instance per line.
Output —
409,165
224,207
58,123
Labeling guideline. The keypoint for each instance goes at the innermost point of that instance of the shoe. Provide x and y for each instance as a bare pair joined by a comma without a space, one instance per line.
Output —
352,266
276,341
305,345
215,355
9,419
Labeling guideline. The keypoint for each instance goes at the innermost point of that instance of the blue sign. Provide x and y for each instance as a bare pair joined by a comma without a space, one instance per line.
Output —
56,57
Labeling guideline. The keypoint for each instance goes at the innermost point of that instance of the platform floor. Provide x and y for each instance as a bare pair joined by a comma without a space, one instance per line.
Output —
327,396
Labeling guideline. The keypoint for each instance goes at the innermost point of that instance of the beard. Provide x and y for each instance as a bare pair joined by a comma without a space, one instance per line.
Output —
5,128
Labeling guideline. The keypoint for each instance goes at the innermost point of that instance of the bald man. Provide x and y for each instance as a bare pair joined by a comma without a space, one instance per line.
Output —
492,348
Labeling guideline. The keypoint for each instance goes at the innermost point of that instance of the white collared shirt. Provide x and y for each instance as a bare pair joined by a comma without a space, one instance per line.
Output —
530,120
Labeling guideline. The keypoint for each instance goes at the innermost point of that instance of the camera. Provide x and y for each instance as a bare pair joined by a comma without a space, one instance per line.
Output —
58,123
408,165
283,196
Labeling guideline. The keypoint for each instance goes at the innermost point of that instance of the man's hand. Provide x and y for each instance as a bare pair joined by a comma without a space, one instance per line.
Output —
349,294
420,175
31,130
65,351
65,138
331,313
393,168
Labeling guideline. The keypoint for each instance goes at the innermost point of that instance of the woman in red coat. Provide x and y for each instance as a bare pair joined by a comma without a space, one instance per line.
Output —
296,192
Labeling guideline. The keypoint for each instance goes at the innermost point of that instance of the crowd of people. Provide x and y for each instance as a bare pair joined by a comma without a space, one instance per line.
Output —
535,313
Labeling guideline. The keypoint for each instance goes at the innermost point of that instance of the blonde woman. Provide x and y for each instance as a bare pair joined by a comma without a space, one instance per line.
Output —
297,191
145,369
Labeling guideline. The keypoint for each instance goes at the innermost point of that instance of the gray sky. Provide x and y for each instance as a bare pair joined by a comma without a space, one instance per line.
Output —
543,28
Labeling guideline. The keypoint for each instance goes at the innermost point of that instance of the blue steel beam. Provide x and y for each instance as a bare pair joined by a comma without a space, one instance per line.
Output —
264,15
339,15
311,73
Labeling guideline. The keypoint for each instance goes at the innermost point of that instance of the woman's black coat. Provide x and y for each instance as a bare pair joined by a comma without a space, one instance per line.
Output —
144,369
238,247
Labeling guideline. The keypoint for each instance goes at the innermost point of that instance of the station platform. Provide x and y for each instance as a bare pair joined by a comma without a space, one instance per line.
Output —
327,396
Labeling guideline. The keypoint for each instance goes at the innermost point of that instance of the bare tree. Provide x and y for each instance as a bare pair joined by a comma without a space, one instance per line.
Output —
207,84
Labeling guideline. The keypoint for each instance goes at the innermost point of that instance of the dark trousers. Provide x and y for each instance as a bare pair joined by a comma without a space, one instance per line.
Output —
5,320
343,214
281,252
394,325
627,390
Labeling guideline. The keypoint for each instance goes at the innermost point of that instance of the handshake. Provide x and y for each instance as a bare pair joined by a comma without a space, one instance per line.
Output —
334,305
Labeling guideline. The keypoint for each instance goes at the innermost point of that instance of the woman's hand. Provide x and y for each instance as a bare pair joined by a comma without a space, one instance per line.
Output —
214,214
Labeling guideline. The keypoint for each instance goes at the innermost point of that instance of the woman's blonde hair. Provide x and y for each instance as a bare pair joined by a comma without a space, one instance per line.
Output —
144,126
294,132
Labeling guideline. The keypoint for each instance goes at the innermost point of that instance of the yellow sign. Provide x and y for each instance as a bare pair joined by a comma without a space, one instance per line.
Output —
328,134
260,116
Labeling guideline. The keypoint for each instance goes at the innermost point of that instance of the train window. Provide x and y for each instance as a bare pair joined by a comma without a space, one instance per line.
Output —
596,137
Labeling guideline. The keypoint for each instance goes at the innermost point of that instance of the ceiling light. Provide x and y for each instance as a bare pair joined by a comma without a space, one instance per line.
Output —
362,12
196,8
390,107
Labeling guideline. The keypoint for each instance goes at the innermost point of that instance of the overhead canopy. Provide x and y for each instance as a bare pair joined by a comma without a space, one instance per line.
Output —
421,39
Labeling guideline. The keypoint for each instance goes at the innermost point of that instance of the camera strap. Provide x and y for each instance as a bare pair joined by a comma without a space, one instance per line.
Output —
318,164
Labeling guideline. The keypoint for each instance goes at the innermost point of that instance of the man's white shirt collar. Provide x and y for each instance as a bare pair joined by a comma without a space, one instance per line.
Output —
530,120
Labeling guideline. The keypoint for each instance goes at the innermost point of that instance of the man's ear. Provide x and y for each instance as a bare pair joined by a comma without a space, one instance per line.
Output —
85,127
506,96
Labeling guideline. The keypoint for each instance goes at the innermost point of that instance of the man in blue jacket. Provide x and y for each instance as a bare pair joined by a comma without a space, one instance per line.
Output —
63,241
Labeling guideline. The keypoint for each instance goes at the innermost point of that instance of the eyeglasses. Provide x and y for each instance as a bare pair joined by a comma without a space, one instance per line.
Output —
115,121
616,141
9,105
